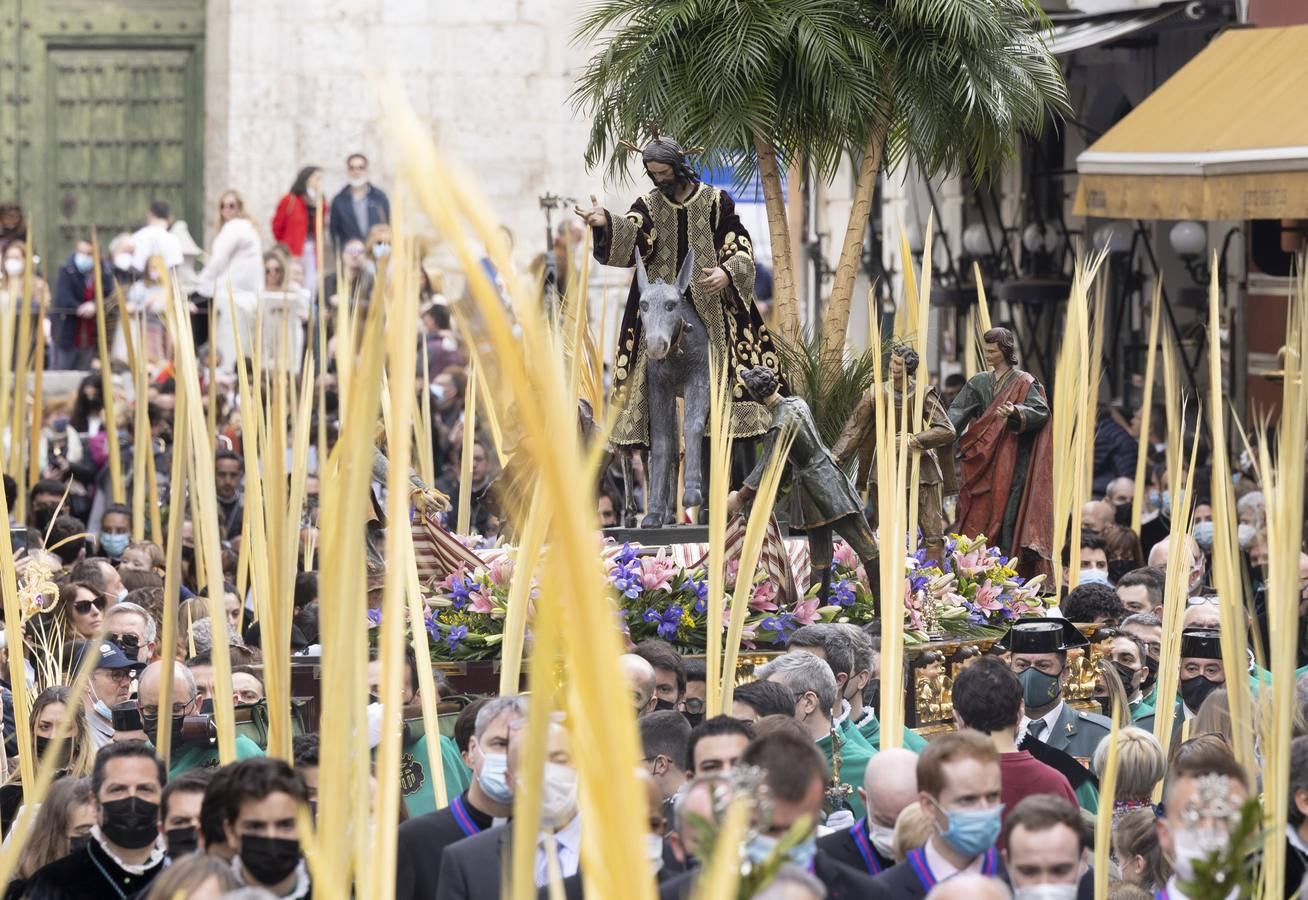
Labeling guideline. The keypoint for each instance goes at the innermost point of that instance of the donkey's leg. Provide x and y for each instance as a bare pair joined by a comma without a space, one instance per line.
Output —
626,457
663,449
696,417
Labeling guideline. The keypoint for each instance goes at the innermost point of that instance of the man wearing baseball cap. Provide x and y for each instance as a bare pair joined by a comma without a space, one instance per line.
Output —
110,684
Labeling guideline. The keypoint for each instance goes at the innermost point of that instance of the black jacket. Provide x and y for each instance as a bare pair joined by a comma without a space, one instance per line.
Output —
70,292
901,882
470,869
422,840
345,227
85,875
843,848
841,882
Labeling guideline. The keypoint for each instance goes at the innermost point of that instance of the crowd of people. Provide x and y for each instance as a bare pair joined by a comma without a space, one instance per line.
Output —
1001,805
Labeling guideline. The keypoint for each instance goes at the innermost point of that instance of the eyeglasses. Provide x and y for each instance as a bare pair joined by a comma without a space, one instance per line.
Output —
1203,600
693,705
151,713
83,607
120,676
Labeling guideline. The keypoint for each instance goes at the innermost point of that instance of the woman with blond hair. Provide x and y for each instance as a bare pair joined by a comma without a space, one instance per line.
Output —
233,277
1140,766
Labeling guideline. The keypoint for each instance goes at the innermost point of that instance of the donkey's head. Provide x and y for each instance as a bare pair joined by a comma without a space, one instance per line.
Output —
663,313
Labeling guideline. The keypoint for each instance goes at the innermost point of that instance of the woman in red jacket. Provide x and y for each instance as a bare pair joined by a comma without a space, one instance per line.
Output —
293,223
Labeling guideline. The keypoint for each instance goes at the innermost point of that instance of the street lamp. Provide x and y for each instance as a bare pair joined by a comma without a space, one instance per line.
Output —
1115,237
1189,241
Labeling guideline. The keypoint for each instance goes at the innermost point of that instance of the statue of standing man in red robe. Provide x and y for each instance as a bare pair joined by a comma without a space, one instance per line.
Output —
1006,493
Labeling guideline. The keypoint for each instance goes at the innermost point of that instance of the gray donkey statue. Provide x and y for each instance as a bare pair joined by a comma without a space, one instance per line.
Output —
677,365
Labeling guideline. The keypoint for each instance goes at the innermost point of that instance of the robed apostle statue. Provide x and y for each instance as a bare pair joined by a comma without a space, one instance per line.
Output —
683,214
929,434
1006,490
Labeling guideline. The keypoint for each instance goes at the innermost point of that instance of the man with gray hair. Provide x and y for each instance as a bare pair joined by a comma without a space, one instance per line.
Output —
487,801
813,685
133,629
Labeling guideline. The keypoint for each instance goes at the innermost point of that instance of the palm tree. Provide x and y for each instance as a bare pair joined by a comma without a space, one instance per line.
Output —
965,79
759,83
947,84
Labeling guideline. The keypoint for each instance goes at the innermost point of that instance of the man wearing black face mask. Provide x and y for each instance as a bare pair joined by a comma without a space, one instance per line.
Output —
669,672
259,820
124,853
1201,668
187,752
179,813
692,701
1039,659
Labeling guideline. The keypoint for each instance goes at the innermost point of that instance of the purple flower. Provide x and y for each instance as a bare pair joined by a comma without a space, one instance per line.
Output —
433,628
843,593
668,622
374,617
918,583
459,591
456,636
781,625
626,555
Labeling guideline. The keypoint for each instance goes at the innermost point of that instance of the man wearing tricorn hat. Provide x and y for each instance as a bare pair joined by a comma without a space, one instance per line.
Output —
1038,649
682,214
1201,667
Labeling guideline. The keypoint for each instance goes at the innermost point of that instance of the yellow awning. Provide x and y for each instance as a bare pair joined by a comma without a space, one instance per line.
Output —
1226,137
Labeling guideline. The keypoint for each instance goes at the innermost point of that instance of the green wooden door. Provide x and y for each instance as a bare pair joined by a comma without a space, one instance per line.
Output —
109,114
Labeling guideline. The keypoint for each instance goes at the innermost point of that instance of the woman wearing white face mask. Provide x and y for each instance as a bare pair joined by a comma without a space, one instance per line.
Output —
14,285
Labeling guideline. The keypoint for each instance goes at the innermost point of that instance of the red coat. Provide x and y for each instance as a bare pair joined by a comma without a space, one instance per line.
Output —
292,224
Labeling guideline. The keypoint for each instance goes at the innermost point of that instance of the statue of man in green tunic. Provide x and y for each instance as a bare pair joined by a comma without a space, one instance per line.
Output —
683,214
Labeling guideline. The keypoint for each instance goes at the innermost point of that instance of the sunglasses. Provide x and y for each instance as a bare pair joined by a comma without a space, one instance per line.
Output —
83,607
130,644
693,705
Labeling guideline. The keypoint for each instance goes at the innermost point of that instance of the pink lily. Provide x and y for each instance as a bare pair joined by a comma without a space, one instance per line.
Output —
845,556
480,603
764,598
988,597
972,563
806,611
656,572
501,571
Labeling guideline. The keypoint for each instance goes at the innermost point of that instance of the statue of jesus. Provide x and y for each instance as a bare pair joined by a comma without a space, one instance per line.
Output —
1007,480
679,215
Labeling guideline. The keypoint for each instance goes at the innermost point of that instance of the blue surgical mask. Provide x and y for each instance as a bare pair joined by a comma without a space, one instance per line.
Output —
492,777
761,847
972,831
1038,689
103,709
1093,576
83,262
114,544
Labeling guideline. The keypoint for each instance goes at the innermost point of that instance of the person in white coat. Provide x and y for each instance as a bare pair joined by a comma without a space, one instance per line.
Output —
234,274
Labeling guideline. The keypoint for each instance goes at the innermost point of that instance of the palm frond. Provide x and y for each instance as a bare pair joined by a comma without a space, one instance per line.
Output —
831,390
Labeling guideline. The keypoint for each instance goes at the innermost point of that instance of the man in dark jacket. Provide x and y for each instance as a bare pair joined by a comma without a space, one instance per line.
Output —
359,206
72,315
795,774
423,839
125,852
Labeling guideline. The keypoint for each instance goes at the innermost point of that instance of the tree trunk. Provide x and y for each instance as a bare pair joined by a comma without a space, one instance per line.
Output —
835,323
785,302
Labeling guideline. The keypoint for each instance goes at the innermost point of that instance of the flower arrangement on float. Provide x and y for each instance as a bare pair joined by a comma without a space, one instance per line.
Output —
974,592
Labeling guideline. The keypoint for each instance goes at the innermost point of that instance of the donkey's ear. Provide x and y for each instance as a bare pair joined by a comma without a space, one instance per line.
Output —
642,280
686,273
